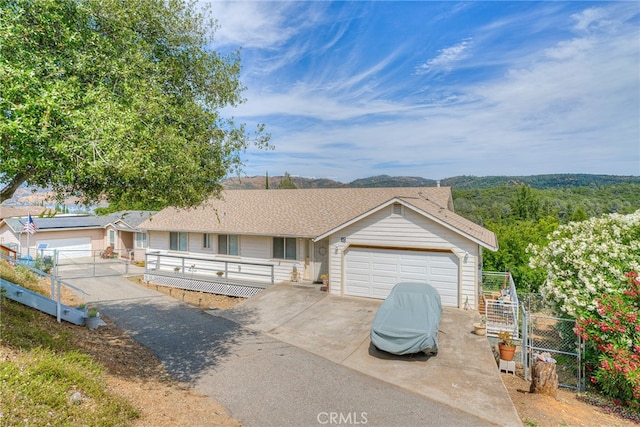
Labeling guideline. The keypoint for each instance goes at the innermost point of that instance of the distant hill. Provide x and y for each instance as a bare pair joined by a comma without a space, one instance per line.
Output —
459,182
26,196
539,181
393,181
259,182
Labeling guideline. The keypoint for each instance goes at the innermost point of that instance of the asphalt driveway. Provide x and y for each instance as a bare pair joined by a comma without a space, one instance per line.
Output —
293,356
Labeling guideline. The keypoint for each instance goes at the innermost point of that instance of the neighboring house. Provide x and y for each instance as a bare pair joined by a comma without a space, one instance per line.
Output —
365,239
73,236
123,235
76,236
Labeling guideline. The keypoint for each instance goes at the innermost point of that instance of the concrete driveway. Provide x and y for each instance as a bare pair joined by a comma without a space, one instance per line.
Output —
463,375
293,356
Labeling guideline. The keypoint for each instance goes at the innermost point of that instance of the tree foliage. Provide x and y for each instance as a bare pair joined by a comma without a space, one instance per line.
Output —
514,238
104,98
287,183
525,204
587,259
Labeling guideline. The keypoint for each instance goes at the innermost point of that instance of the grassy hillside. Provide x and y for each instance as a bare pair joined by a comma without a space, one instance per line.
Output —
44,380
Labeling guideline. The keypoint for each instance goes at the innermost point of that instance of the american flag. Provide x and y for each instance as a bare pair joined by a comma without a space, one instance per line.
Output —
30,226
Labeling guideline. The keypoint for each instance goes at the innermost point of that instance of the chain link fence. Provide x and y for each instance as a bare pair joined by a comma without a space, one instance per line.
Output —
545,333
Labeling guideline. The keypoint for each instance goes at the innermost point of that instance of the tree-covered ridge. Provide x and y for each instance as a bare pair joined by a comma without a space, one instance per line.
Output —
393,181
568,203
539,181
457,182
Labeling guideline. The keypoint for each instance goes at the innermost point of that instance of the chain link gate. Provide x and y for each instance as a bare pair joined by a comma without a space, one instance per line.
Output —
554,335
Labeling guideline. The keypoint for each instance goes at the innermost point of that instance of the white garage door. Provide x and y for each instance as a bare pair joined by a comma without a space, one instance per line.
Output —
67,248
373,272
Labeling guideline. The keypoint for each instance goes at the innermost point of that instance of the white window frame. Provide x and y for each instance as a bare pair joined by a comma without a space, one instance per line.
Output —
181,241
142,240
287,249
206,241
226,244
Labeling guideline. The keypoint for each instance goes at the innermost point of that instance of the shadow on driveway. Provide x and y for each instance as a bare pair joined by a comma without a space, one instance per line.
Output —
187,340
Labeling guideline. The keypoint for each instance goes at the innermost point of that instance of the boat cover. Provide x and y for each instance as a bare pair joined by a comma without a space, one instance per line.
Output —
407,321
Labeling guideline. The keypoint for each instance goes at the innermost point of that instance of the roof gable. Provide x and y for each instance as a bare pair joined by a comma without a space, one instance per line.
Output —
126,220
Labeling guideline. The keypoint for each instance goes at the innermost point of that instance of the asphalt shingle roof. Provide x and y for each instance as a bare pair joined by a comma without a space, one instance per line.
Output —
126,220
309,212
55,223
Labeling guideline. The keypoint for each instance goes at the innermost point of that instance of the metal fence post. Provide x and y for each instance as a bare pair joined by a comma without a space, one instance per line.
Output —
58,306
53,290
55,262
525,347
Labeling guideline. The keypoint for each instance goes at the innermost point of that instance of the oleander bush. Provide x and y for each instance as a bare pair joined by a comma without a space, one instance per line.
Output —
592,274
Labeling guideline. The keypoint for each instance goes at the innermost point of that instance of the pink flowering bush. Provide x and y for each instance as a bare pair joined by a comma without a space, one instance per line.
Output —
612,335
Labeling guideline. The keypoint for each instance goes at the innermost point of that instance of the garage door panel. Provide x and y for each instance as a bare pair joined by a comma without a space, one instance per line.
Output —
360,291
448,298
381,289
413,269
384,266
374,272
74,247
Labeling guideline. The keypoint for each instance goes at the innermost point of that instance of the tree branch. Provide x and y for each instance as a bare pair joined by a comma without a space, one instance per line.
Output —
12,186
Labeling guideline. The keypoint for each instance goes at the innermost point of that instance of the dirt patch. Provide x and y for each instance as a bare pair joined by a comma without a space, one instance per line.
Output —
565,410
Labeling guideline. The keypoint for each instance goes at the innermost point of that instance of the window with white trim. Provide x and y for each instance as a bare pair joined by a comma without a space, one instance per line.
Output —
178,241
284,247
228,244
206,242
141,240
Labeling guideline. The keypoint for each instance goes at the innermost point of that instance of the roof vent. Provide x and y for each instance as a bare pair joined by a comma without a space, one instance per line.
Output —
397,209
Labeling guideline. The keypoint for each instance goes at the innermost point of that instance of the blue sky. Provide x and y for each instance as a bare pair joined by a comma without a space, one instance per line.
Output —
350,90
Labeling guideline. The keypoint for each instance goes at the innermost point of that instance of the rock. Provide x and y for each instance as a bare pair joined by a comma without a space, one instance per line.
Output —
544,378
76,398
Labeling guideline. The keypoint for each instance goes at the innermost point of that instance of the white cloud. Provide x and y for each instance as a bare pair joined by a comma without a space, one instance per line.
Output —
446,58
262,25
559,105
589,18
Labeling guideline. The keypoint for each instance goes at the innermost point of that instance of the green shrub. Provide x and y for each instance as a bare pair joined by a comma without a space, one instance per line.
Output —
612,335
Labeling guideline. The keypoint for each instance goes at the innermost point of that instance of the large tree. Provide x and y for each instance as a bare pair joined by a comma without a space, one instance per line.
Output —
117,99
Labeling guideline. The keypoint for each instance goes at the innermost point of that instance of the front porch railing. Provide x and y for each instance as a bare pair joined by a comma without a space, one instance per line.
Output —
200,268
501,306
